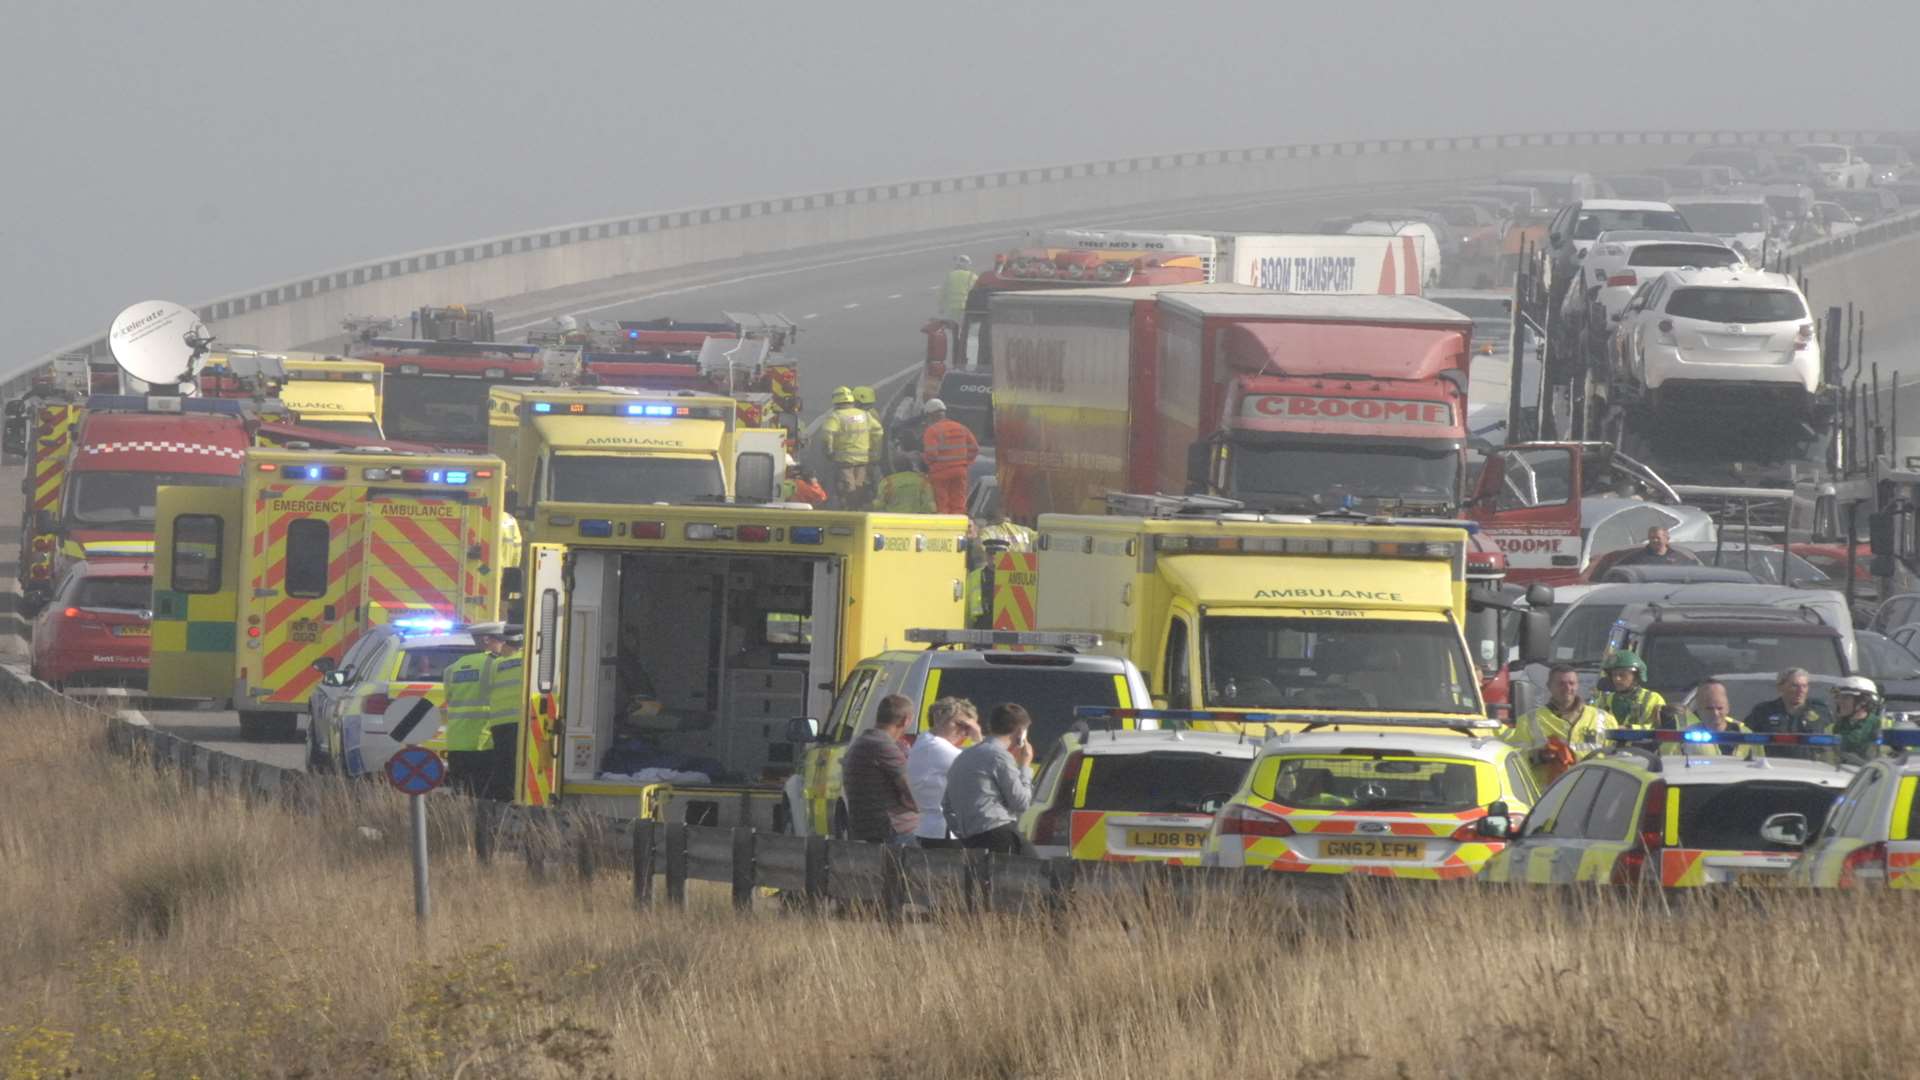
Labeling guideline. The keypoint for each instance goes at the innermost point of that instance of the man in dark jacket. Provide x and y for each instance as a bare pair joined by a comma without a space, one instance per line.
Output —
873,779
1794,710
1659,552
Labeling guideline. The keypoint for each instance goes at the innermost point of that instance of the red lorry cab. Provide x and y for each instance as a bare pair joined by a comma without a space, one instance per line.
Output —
436,392
123,453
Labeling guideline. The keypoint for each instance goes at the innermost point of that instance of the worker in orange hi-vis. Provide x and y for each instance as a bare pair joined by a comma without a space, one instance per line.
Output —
949,450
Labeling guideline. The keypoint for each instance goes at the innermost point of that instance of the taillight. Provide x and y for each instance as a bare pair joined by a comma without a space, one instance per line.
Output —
1470,833
375,704
1805,337
72,613
1864,866
1239,819
1624,277
1052,827
1630,867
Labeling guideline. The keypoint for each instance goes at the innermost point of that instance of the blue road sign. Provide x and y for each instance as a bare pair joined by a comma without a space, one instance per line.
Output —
416,770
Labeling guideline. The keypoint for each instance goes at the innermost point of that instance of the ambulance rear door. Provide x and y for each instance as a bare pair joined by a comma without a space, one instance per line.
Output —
196,575
546,570
304,586
415,557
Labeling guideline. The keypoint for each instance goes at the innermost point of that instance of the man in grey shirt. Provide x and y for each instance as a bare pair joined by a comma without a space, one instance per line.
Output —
989,787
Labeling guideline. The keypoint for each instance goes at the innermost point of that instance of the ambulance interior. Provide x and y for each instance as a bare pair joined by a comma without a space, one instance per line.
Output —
685,668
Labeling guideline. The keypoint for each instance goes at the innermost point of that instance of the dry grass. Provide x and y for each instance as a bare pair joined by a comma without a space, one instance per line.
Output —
154,931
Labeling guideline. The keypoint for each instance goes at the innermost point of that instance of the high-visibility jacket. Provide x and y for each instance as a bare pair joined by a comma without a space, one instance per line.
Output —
467,708
506,697
876,436
1015,537
1582,735
848,435
1635,708
905,493
953,296
949,447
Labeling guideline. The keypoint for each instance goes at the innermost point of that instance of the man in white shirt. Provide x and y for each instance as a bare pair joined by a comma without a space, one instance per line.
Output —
951,724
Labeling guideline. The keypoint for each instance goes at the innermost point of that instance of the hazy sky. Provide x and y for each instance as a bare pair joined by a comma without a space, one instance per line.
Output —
196,147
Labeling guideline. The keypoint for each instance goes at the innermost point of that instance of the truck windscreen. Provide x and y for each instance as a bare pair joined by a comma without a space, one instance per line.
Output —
437,410
1310,478
1370,665
128,498
596,478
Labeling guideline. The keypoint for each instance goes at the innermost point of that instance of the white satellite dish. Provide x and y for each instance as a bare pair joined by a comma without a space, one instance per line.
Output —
158,343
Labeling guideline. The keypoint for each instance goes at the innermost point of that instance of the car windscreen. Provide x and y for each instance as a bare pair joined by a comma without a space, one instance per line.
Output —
1580,637
1363,665
1303,478
437,410
1048,693
1880,658
1727,817
128,498
1736,305
1678,659
1594,222
429,664
629,481
1162,782
125,593
1375,782
1683,255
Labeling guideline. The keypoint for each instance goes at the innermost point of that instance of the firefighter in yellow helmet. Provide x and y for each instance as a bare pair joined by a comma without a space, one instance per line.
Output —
869,403
848,431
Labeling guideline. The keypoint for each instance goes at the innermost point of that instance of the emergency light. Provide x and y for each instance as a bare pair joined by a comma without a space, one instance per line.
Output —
1903,738
1042,638
805,534
1722,738
1305,545
424,624
543,406
596,527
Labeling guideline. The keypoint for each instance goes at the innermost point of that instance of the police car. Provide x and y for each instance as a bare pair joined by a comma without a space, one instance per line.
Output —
1142,795
1701,816
1423,802
1869,837
384,694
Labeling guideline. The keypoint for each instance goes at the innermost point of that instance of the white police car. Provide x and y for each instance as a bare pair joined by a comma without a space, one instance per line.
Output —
384,694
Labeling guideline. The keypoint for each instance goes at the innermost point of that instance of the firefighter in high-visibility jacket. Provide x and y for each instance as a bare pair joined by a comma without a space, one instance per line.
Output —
464,713
905,490
1623,692
848,431
506,705
1560,732
949,449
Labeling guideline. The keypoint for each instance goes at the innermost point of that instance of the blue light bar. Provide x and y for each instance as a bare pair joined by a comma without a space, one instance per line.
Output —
456,476
597,527
649,410
313,472
1108,712
633,335
1721,738
806,534
424,624
543,406
1904,738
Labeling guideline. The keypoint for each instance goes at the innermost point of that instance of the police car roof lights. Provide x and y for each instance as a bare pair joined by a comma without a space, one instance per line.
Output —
424,624
1445,723
1703,735
989,638
1900,738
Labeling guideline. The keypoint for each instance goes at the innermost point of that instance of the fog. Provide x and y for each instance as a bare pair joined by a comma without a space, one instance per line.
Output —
188,149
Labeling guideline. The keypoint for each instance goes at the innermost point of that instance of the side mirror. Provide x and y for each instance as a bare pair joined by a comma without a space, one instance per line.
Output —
1880,527
334,678
1539,596
323,665
1213,804
1536,637
803,729
1497,825
1787,830
1199,467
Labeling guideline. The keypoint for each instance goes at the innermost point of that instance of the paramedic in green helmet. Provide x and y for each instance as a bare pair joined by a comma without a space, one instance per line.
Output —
1623,692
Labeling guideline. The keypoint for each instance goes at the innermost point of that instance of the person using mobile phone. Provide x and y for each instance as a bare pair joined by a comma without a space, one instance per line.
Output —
990,785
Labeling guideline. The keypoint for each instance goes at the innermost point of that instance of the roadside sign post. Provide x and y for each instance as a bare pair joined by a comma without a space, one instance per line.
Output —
414,772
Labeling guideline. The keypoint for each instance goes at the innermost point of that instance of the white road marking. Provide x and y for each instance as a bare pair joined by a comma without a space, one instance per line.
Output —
894,296
815,315
850,307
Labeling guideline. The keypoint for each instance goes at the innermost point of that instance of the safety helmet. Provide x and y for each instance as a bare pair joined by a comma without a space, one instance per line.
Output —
1857,685
934,405
1626,658
963,261
863,395
842,396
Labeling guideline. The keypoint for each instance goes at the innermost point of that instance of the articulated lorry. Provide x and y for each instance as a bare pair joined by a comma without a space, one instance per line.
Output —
670,647
259,589
1286,403
573,447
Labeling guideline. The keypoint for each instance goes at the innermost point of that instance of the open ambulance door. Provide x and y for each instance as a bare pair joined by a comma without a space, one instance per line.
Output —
546,607
196,576
758,456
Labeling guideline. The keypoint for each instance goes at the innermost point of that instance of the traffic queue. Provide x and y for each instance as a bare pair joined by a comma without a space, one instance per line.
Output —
1338,649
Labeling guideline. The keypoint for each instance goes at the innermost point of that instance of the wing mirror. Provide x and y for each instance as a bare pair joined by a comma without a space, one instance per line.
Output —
323,665
803,729
1499,823
1213,804
1539,596
1787,830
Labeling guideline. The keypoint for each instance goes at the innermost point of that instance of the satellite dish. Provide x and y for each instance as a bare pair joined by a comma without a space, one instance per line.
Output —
159,343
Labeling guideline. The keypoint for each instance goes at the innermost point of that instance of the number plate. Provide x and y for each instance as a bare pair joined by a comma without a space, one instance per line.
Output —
132,630
1392,850
1180,839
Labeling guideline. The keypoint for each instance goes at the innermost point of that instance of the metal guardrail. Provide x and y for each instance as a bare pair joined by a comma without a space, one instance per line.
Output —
440,257
1884,231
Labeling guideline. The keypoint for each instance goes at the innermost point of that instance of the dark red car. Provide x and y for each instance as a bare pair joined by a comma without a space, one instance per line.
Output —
95,630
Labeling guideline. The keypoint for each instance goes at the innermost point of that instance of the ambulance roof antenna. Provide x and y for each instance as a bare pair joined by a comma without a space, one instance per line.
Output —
160,344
